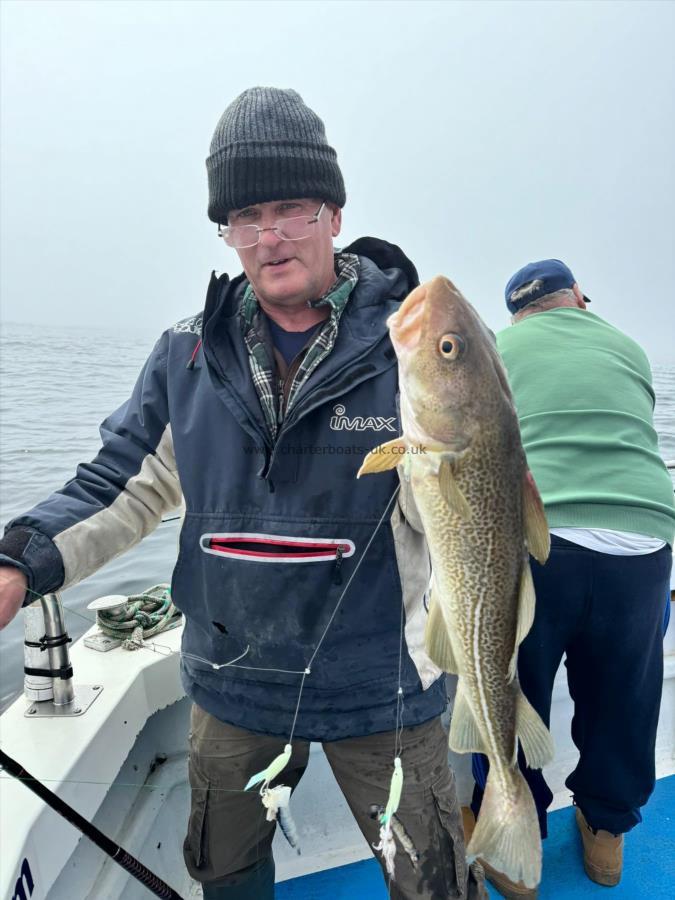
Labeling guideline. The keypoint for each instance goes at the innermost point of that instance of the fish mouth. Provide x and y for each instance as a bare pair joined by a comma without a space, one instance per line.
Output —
405,325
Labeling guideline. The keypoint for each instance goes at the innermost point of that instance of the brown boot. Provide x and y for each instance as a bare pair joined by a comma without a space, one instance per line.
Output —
603,853
512,890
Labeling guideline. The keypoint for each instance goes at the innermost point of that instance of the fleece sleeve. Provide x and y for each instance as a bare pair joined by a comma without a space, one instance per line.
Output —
113,502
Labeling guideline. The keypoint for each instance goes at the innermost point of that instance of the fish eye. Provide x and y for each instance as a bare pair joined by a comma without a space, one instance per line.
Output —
450,346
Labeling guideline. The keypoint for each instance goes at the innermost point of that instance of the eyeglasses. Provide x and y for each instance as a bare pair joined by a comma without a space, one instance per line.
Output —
295,228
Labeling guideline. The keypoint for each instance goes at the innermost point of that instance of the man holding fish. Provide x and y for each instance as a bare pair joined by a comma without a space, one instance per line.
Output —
304,592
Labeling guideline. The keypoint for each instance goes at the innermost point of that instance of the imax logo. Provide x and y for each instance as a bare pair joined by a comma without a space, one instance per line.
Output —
341,422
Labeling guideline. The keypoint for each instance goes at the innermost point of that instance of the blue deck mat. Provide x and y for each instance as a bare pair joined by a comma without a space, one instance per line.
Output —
649,863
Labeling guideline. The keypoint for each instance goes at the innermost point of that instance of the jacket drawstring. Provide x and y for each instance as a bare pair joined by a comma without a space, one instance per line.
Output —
191,364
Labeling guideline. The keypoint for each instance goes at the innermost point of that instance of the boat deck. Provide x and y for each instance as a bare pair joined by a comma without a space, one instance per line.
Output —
649,863
123,765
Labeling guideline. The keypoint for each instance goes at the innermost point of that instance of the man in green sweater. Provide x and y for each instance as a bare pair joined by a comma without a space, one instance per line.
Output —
584,398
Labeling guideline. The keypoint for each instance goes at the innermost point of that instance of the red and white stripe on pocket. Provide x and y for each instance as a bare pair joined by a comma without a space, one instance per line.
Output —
275,548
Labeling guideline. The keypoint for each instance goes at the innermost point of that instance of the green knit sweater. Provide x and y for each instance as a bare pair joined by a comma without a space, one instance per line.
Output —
584,397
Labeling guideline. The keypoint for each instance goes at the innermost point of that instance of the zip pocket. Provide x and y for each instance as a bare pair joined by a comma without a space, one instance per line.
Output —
275,548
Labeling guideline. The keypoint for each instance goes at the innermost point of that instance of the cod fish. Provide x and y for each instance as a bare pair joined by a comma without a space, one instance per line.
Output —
464,464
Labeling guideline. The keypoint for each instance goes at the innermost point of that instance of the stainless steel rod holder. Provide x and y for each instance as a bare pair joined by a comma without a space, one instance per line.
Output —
69,699
59,657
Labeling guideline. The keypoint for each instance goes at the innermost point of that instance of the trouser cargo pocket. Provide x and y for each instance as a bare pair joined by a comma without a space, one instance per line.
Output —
466,880
449,837
193,847
228,832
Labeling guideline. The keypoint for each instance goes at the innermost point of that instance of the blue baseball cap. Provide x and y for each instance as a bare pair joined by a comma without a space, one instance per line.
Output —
545,277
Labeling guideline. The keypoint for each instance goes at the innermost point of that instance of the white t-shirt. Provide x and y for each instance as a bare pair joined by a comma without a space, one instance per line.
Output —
616,543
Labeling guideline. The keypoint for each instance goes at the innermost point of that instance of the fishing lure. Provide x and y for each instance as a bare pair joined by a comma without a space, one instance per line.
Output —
387,845
400,834
276,801
277,765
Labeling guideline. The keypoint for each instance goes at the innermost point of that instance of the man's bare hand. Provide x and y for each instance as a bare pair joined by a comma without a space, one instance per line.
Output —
13,584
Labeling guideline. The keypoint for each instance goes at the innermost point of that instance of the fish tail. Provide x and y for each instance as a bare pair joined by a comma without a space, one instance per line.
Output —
507,832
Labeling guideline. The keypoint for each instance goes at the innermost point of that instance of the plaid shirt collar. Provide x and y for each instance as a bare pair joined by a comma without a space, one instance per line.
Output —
262,366
347,267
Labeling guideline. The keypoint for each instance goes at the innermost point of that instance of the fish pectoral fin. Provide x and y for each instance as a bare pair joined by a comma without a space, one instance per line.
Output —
451,492
534,735
526,602
437,640
464,735
386,456
534,520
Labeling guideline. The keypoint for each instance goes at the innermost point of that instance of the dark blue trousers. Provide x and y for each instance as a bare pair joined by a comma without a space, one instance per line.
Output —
606,614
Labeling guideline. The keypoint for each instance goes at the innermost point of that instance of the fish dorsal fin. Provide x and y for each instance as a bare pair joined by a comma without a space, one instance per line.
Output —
526,603
464,735
534,520
451,492
534,735
437,640
386,456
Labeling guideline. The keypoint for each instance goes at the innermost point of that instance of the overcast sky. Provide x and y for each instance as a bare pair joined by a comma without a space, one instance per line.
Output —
477,136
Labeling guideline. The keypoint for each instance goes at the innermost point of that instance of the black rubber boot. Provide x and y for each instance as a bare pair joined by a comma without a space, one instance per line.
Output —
254,883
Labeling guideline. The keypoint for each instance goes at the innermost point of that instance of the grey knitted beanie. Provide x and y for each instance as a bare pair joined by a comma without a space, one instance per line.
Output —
268,145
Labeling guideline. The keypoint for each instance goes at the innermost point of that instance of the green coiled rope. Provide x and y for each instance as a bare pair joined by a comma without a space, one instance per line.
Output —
142,616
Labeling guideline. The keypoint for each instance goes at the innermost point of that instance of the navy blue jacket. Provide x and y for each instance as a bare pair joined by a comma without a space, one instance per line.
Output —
273,531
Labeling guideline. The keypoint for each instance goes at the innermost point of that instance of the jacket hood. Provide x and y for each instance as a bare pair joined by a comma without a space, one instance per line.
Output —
386,257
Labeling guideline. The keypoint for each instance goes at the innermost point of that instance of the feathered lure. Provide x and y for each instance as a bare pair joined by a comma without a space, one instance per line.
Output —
387,845
276,799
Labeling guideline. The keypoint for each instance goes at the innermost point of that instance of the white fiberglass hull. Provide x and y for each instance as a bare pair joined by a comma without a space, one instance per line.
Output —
123,765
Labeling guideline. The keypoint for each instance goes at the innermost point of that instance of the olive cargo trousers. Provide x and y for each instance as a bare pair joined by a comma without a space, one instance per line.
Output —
228,845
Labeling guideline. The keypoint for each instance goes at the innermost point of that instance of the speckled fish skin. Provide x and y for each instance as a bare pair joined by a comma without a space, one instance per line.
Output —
459,421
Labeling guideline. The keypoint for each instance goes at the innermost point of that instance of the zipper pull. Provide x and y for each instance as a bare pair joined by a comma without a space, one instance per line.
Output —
280,404
337,566
265,471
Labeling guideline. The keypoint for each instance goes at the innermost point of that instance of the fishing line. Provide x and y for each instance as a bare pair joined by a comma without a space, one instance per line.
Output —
231,664
154,647
387,843
123,784
400,703
277,765
280,762
339,602
351,577
307,670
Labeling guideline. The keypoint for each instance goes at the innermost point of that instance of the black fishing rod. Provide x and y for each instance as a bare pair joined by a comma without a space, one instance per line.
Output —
129,863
